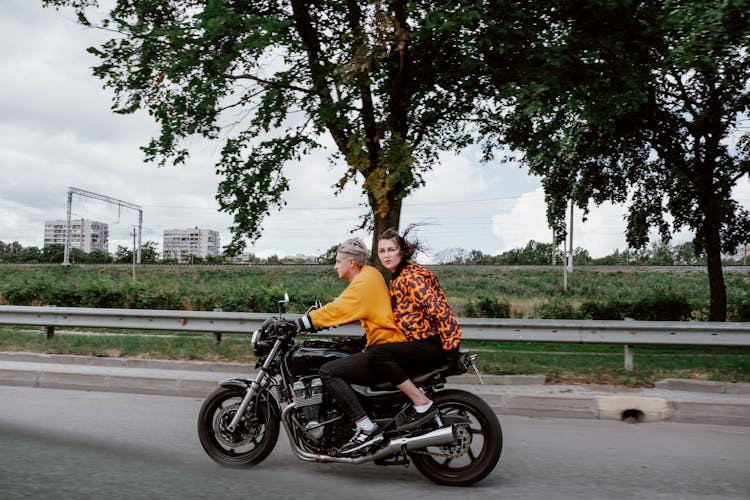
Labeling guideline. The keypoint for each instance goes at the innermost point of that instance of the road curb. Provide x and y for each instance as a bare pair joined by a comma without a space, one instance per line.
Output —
165,364
681,384
527,395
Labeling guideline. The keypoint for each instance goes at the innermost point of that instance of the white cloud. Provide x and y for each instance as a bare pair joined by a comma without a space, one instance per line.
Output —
526,220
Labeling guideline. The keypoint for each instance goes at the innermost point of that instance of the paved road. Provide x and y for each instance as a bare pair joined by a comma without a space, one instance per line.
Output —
77,444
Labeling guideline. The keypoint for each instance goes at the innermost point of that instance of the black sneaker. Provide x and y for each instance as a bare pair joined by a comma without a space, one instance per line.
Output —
415,419
362,439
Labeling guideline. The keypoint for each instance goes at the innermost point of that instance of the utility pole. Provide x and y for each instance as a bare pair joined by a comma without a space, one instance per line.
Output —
568,266
133,235
66,251
570,251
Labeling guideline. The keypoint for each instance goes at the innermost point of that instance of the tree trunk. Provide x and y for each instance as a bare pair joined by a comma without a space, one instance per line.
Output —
717,310
381,223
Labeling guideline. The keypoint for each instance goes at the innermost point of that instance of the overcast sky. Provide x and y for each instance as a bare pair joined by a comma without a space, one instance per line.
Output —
57,131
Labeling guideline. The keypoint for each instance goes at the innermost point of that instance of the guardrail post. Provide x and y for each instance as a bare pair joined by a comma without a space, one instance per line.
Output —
628,357
49,332
217,335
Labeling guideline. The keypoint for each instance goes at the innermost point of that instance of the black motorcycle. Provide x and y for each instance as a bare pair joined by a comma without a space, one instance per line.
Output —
239,422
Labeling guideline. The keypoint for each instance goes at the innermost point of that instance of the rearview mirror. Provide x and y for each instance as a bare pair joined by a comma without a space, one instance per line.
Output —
284,303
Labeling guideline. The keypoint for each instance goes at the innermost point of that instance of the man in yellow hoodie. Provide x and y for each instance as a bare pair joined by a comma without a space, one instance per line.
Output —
366,299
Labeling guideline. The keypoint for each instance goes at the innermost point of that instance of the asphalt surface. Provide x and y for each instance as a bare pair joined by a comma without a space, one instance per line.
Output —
672,400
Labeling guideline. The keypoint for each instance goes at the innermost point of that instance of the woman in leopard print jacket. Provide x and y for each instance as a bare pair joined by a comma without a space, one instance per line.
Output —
422,313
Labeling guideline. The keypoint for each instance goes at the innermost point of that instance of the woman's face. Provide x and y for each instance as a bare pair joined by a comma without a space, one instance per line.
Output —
346,267
389,254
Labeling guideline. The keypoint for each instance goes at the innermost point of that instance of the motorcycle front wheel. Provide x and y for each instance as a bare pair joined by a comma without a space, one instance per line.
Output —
253,439
477,448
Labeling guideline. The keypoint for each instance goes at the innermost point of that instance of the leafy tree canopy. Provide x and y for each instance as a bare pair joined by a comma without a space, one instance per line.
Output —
639,101
383,80
633,101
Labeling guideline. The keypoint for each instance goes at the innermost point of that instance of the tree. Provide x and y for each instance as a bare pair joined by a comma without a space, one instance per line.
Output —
383,79
15,253
534,253
30,255
686,255
53,254
78,256
99,257
273,260
123,255
477,257
329,257
216,259
149,252
454,255
640,101
13,247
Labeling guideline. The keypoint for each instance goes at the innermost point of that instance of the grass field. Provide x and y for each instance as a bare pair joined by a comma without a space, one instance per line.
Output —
560,363
526,291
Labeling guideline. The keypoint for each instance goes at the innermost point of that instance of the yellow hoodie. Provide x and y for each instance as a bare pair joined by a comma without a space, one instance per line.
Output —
366,299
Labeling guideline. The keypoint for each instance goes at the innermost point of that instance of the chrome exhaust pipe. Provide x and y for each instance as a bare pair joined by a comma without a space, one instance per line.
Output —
444,435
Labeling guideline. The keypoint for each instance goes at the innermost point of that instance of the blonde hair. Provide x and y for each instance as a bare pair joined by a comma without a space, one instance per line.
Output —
355,249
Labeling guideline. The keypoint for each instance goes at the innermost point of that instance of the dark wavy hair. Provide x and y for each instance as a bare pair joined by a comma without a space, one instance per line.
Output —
408,248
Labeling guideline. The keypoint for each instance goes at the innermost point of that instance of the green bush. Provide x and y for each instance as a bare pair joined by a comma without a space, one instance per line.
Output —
661,307
487,307
740,308
602,310
555,309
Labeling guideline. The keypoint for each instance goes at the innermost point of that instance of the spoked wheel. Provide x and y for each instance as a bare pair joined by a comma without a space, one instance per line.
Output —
477,448
253,439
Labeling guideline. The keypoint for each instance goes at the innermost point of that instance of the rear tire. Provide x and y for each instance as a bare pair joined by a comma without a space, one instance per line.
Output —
477,449
254,438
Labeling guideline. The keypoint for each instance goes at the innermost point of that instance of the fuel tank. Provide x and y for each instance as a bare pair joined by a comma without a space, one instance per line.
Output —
310,355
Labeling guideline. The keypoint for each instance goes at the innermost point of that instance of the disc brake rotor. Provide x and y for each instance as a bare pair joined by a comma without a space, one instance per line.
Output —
241,436
462,444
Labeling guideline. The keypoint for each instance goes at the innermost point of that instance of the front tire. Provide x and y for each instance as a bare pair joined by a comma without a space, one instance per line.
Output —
477,449
254,438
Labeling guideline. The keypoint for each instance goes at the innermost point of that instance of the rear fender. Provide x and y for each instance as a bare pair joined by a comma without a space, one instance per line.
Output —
454,419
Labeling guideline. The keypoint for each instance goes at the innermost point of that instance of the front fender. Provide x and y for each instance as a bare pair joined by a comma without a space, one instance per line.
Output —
244,383
264,394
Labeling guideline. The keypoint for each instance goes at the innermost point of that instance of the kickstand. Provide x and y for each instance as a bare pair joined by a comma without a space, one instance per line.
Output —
400,459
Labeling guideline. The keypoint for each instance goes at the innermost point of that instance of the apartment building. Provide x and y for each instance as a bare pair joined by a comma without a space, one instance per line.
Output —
87,235
181,244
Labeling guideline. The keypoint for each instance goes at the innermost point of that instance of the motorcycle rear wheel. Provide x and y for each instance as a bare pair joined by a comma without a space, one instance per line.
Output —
477,449
249,444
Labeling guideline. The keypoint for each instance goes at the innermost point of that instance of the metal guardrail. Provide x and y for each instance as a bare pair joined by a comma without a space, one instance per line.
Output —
627,333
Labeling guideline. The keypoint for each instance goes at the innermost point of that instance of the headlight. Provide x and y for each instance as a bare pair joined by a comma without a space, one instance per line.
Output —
261,342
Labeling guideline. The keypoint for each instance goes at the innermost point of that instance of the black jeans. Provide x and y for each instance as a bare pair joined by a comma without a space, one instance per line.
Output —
339,373
397,361
392,363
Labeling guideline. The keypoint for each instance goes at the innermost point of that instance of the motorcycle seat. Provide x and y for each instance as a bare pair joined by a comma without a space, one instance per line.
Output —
450,367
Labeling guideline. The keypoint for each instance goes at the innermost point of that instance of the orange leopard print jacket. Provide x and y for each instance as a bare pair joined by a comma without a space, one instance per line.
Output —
420,307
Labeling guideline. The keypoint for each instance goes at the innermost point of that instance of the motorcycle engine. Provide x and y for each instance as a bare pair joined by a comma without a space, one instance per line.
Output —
307,394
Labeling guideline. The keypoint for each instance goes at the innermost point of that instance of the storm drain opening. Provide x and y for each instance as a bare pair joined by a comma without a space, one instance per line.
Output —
633,416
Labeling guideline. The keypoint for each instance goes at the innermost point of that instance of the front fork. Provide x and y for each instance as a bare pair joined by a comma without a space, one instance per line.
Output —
255,387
